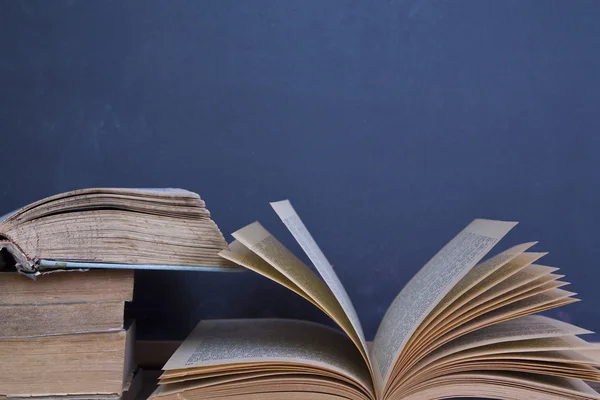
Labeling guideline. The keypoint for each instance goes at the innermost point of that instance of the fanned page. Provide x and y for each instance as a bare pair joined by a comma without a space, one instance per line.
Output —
292,221
427,288
241,255
528,334
256,249
461,327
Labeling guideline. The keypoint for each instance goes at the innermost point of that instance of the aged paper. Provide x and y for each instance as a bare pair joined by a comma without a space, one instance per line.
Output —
292,221
578,371
518,349
520,294
271,341
517,333
494,299
241,255
519,329
264,387
428,287
461,304
508,270
460,309
503,385
529,278
476,275
526,304
537,303
460,293
260,241
550,356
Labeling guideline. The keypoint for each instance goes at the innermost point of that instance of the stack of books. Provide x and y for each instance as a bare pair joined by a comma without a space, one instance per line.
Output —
67,264
464,326
64,335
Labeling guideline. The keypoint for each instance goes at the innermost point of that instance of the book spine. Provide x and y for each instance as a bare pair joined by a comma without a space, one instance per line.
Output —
23,263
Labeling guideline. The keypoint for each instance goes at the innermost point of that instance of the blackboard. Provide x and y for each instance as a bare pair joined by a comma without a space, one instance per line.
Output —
390,125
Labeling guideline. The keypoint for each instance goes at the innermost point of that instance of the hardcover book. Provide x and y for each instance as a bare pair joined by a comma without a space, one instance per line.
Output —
113,228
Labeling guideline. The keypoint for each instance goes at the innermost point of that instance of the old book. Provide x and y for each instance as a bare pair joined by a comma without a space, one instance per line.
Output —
63,303
91,365
60,319
462,327
59,287
143,228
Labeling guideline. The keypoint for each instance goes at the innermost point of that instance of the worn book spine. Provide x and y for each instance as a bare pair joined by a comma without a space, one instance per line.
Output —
34,268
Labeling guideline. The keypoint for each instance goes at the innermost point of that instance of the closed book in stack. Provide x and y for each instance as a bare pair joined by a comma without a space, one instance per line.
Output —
64,335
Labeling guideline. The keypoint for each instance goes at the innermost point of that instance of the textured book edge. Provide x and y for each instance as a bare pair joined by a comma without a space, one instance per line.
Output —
33,268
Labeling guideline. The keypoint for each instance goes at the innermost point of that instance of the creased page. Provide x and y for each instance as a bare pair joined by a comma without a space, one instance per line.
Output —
292,221
257,239
428,287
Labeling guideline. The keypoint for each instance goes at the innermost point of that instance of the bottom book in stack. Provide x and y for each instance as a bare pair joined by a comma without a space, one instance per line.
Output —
63,336
90,363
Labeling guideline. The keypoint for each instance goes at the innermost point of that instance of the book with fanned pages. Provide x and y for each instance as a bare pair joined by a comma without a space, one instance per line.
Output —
464,326
167,229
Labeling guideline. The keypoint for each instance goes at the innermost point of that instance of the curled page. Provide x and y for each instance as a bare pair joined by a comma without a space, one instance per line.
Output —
241,255
256,239
428,287
292,221
518,332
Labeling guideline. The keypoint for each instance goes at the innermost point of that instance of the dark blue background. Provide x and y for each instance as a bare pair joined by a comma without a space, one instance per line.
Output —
390,125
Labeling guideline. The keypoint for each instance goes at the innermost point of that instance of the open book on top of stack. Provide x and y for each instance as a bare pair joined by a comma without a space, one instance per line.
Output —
462,327
113,228
65,335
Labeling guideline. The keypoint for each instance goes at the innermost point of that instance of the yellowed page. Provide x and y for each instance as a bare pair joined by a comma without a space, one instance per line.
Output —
241,255
300,387
507,271
494,299
577,371
518,332
541,302
274,341
501,385
528,303
521,293
462,305
476,275
506,262
292,221
529,278
549,356
524,328
428,287
518,348
256,238
565,355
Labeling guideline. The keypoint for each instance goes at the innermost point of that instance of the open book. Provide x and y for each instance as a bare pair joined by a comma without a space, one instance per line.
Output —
460,327
112,228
